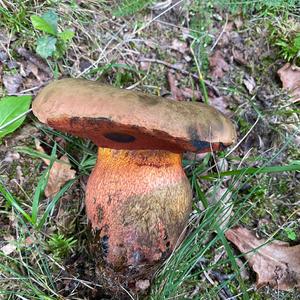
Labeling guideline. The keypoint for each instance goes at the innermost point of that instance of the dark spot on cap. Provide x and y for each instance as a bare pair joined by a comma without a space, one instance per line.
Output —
120,137
200,145
196,140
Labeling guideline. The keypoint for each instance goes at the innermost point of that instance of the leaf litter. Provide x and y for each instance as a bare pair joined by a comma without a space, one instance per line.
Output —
219,67
60,172
276,263
290,77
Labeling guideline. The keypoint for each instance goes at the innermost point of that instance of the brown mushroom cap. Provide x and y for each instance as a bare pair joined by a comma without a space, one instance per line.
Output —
123,119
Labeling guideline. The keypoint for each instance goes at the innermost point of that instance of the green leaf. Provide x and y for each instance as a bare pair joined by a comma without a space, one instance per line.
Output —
66,35
297,43
41,24
51,18
10,109
130,7
46,46
291,234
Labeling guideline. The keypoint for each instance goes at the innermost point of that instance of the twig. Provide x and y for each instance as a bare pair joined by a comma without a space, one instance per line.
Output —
127,292
184,72
220,35
244,137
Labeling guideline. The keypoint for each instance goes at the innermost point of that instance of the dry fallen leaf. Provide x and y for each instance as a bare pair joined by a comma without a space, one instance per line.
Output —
221,103
238,22
191,93
250,84
290,77
59,174
276,263
175,91
142,285
218,65
12,82
238,56
179,46
8,248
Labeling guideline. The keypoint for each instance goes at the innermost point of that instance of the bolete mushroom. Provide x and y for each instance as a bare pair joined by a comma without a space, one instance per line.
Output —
138,197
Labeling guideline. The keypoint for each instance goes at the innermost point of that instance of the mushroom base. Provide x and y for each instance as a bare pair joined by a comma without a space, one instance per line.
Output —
138,202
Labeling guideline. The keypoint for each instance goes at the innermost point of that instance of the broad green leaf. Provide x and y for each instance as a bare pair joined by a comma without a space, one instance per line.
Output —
10,109
66,35
297,42
46,45
41,24
51,18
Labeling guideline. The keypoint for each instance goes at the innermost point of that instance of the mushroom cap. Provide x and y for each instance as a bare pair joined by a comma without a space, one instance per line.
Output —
122,119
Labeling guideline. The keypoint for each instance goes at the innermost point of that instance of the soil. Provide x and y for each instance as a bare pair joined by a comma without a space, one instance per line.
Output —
241,81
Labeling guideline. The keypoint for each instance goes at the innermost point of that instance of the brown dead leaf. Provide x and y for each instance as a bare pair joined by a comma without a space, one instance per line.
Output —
59,174
12,82
249,83
32,68
191,93
276,263
290,77
238,56
179,46
221,104
218,65
238,22
175,91
35,60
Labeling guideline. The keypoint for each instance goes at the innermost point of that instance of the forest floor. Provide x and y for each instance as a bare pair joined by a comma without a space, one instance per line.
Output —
225,55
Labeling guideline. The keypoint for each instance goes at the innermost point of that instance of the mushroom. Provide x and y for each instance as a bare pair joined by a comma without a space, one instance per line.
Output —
138,197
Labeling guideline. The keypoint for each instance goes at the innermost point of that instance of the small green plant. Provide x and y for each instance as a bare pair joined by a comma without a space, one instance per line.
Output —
120,74
61,246
13,112
53,43
14,17
285,34
130,7
289,47
291,234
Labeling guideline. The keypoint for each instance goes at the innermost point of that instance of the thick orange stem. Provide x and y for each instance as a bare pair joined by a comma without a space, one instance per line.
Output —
139,202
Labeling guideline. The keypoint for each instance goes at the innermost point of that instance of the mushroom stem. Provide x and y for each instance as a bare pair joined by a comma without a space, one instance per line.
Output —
139,202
